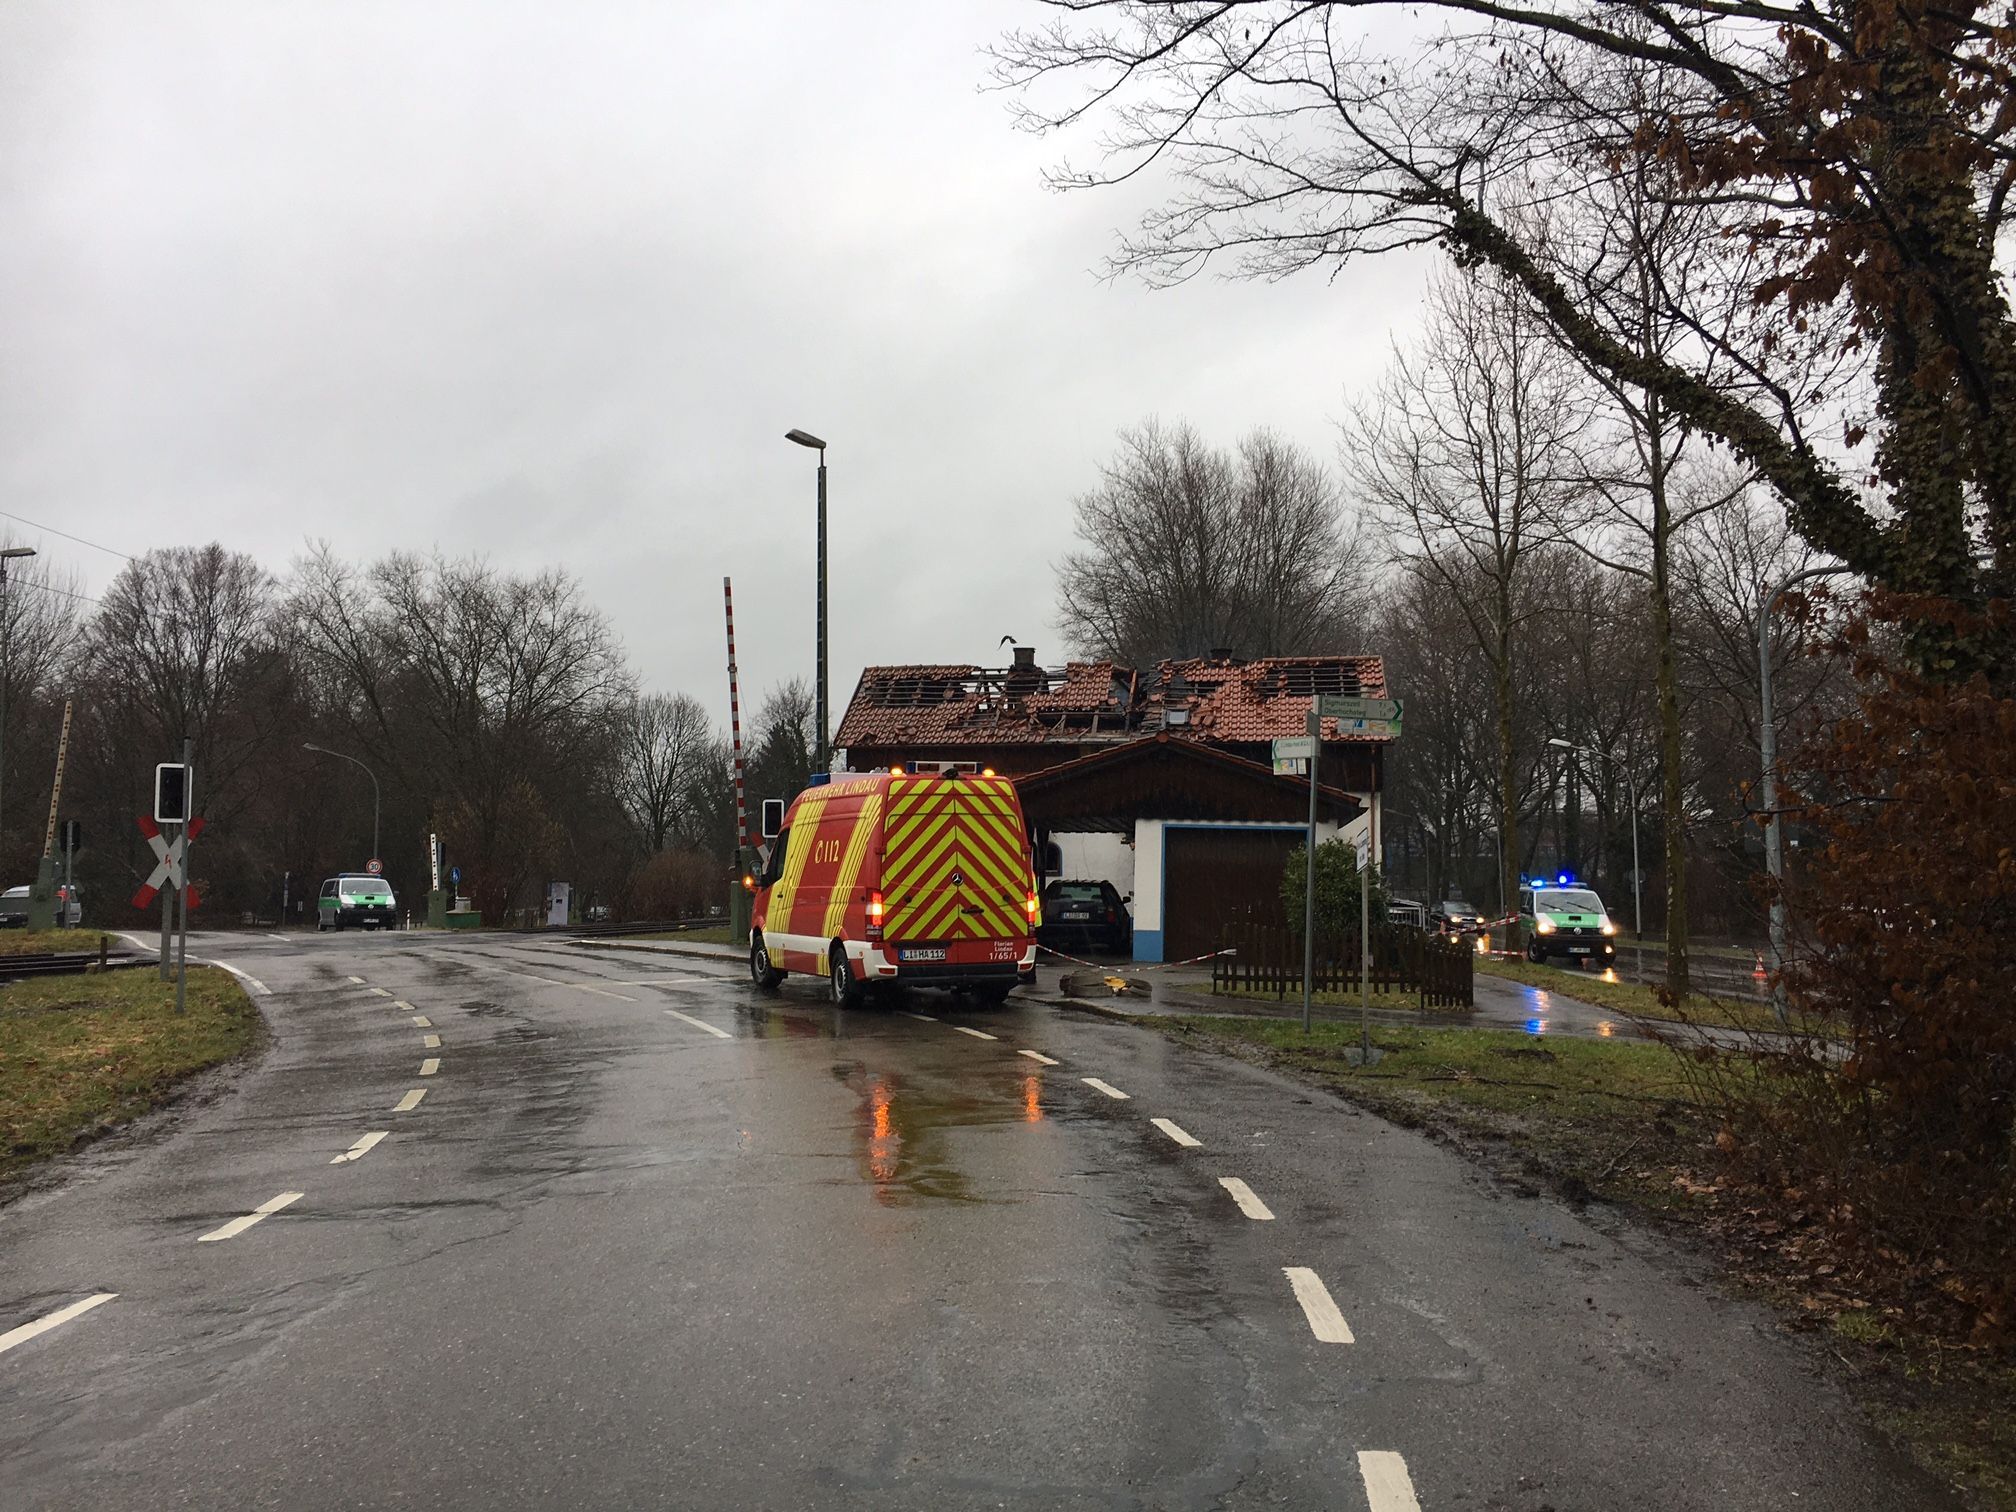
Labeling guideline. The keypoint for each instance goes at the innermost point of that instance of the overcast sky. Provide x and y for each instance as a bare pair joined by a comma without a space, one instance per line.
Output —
550,282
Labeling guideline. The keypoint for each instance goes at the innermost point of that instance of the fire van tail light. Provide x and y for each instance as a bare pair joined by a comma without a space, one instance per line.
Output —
1029,907
875,911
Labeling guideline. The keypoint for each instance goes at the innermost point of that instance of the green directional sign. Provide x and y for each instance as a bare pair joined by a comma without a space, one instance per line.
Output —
1337,706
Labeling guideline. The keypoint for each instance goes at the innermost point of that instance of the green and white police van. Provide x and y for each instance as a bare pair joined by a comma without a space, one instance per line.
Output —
1562,919
356,901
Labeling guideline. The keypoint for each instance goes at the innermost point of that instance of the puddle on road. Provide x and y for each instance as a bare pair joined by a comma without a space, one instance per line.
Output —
901,1130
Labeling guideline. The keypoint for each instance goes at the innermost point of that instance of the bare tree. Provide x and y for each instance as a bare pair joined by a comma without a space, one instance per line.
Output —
780,746
1466,448
37,638
664,741
1863,160
1188,549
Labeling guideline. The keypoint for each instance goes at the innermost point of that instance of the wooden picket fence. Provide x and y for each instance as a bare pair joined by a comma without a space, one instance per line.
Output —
1436,972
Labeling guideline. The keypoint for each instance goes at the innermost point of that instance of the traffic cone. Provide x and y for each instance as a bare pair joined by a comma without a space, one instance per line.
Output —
1760,974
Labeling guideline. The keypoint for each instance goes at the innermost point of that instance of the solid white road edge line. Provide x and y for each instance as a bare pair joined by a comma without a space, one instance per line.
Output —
687,1018
430,1065
259,988
238,1226
976,1033
1242,1194
421,1021
1188,1141
430,1041
410,1101
137,942
361,1148
1037,1055
1099,1086
1387,1485
56,1319
1325,1321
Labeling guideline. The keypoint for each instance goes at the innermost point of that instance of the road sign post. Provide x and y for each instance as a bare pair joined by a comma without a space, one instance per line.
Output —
182,956
1309,876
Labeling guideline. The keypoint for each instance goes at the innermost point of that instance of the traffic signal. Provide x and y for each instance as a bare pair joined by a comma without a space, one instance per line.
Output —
171,793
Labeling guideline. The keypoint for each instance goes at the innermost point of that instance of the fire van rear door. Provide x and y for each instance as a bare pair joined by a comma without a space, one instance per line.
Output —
954,865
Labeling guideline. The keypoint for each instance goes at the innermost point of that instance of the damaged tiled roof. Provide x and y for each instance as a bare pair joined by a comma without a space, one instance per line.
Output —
1082,703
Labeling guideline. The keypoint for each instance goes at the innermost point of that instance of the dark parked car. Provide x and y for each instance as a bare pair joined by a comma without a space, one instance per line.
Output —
1454,916
1086,916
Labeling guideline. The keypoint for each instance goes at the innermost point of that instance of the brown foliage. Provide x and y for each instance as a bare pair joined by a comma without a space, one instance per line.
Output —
677,884
1899,1121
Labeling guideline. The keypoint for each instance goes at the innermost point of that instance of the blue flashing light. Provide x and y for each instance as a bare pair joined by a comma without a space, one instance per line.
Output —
818,779
1564,879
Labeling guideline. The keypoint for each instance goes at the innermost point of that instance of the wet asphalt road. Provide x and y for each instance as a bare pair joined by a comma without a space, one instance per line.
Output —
819,1259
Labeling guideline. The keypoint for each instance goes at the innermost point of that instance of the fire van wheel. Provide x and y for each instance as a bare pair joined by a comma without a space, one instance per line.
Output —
761,972
846,991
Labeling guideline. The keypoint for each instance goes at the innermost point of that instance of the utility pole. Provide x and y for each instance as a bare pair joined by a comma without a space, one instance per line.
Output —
8,554
821,757
1309,879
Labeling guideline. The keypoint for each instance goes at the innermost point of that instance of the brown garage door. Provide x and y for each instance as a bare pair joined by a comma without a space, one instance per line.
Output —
1215,877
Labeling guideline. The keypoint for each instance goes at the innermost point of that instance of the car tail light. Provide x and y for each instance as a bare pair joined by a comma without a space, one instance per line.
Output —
875,914
1112,917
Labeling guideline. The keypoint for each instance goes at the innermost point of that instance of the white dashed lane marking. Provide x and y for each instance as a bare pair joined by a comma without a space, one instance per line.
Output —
358,980
1388,1487
687,1018
410,1101
1242,1194
1188,1141
1325,1321
431,1041
402,1003
1099,1086
429,1066
55,1319
922,1018
1038,1056
976,1033
380,991
526,976
238,1226
360,1149
421,1021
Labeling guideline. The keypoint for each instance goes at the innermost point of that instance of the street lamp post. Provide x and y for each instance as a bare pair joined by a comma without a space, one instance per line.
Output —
1767,751
309,745
806,438
1631,792
11,553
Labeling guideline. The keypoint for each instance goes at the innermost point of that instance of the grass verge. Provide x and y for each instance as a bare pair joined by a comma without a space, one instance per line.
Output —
1624,1122
82,1054
720,935
20,942
1632,999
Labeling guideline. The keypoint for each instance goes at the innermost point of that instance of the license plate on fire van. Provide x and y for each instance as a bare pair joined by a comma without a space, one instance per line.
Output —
921,953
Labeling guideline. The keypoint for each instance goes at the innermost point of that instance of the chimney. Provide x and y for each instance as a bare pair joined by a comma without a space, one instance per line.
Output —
1222,654
1025,677
1025,656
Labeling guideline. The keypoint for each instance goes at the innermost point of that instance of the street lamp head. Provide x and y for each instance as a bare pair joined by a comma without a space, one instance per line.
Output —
1556,740
805,438
309,745
17,551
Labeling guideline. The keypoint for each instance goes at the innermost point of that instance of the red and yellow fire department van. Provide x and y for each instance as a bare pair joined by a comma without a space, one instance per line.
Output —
915,879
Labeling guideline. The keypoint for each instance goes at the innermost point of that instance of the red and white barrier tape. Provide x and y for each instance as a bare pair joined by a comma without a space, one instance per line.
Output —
1134,965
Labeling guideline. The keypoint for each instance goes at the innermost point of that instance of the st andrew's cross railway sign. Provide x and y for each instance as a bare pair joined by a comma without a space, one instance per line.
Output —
168,860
